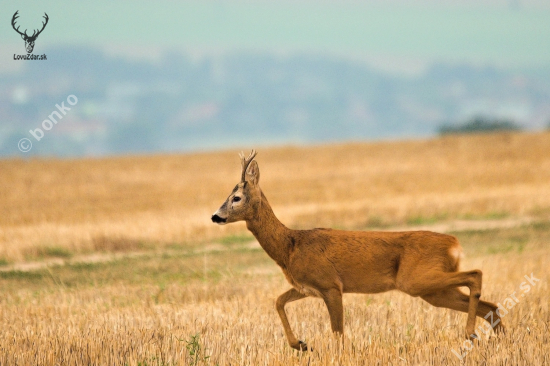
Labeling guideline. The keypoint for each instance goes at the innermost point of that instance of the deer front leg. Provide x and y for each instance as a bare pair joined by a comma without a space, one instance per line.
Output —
333,300
289,296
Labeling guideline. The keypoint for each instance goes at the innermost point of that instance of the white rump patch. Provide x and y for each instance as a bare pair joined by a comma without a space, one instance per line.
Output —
456,252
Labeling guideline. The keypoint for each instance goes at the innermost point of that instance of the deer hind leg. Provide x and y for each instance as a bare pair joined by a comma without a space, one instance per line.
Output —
457,300
421,284
289,296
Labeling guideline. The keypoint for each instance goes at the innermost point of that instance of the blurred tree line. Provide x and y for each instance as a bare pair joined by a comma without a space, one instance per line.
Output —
480,124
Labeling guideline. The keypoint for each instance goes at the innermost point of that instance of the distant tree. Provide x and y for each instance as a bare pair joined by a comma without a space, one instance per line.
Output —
479,124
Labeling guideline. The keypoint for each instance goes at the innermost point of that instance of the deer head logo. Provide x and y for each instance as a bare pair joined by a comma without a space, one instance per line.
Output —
29,40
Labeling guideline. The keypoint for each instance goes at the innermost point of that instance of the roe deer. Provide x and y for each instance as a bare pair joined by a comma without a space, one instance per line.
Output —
327,263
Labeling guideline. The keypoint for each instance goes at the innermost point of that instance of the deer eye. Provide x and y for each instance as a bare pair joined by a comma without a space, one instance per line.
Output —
236,199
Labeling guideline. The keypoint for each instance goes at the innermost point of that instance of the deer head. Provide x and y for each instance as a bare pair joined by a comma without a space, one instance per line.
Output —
244,200
29,40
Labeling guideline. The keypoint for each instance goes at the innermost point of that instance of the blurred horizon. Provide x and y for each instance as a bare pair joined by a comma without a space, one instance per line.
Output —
184,76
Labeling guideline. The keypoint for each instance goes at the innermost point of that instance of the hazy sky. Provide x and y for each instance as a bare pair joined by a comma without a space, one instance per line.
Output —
395,34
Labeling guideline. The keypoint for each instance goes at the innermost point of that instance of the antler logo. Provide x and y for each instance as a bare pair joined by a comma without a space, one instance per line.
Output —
29,40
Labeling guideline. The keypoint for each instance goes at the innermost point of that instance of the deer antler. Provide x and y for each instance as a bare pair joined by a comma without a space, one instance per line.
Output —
245,162
34,35
15,16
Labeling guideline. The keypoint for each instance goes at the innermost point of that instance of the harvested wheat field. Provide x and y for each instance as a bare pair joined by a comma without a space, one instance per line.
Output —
115,261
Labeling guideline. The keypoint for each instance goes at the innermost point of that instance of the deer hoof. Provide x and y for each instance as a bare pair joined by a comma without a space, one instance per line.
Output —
302,346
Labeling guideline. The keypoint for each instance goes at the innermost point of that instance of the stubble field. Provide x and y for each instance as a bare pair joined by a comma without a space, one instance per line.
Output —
115,261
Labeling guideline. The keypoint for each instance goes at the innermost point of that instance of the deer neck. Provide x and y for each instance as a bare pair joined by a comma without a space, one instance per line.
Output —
272,235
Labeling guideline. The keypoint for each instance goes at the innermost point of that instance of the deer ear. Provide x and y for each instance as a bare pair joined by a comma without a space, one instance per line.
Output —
253,173
23,36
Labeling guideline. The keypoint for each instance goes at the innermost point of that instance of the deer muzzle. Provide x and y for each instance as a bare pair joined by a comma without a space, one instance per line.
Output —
218,220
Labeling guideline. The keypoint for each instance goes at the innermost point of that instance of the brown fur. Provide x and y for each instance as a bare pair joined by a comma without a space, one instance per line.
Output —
326,263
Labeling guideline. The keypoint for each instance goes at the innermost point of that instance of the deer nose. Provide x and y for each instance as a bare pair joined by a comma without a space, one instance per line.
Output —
217,219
